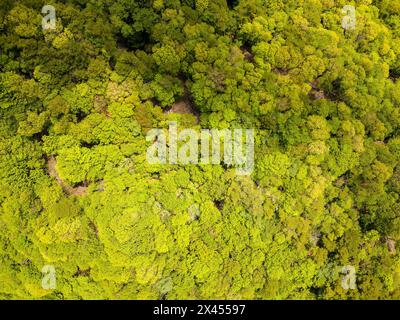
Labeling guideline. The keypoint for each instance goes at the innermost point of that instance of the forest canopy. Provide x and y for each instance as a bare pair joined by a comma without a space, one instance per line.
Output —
78,194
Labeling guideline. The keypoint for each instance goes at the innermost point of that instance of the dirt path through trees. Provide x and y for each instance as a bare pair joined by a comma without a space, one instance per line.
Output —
77,191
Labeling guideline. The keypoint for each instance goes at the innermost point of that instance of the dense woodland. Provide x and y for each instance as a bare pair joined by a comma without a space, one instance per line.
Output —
77,192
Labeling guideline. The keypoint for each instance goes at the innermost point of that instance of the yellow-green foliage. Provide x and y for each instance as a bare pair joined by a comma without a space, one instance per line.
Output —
77,193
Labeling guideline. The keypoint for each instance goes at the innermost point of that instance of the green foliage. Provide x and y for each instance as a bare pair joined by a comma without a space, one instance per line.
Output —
77,192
